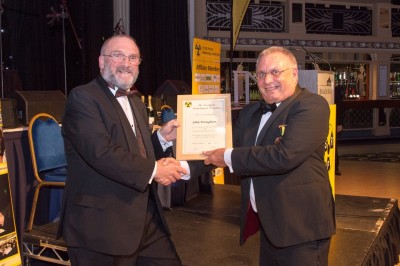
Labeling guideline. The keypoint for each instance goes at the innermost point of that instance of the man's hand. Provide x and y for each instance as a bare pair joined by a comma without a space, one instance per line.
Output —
1,219
169,171
168,131
215,157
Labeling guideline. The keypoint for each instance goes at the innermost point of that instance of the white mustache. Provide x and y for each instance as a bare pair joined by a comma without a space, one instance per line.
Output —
125,69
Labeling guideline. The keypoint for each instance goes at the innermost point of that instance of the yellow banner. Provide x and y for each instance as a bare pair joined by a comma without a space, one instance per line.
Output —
206,78
206,68
239,8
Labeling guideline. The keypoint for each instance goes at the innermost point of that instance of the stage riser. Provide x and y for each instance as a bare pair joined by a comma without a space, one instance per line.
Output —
205,231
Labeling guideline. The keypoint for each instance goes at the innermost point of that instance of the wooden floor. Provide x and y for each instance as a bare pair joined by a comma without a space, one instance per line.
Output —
189,226
359,178
369,178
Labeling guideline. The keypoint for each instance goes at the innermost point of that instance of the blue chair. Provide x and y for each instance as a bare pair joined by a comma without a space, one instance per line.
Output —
48,156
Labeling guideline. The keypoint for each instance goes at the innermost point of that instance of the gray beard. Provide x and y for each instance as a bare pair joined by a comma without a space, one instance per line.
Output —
111,78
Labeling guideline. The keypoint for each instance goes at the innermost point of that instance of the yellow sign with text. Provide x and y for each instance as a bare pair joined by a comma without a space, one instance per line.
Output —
206,78
206,68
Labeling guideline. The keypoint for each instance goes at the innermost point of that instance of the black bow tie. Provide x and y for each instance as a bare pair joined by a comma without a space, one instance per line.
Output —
127,93
122,92
265,107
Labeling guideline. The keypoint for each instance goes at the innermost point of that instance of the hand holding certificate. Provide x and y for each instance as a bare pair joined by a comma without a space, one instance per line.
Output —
205,121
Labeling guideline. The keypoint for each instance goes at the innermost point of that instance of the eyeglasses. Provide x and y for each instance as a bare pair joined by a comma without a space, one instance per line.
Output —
119,58
274,73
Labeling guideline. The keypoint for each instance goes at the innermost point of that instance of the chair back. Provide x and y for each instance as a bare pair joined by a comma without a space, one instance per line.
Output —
46,143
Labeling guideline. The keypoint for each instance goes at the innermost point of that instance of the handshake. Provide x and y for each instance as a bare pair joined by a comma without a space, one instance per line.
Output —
169,171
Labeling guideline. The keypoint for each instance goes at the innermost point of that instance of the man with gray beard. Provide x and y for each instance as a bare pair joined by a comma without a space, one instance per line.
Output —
111,211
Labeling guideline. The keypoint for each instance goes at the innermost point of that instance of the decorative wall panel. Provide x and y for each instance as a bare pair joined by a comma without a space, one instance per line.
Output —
259,17
334,20
395,21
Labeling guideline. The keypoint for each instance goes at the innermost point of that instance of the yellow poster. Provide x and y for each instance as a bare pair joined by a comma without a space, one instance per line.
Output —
206,78
9,249
239,8
206,68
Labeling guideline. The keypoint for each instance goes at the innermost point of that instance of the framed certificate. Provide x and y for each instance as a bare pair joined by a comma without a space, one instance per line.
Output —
205,124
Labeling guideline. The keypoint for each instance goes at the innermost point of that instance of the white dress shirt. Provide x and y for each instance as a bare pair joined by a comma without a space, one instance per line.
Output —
228,158
124,102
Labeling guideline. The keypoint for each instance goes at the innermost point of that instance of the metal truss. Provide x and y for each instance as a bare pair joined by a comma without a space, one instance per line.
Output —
45,252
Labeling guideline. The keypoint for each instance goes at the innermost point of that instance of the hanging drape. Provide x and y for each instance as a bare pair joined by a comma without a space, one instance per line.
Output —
34,46
33,42
162,32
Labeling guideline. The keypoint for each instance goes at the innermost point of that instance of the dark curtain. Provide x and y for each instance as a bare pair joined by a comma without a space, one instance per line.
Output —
33,43
34,47
162,33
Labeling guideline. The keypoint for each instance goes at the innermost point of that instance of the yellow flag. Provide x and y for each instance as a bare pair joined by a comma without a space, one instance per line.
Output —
239,8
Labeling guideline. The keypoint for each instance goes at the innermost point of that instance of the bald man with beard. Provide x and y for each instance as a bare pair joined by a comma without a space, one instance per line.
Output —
111,211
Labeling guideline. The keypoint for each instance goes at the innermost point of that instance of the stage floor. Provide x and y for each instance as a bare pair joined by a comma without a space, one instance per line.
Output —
206,231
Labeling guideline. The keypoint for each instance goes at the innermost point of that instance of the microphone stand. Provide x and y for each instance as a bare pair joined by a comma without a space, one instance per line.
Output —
64,15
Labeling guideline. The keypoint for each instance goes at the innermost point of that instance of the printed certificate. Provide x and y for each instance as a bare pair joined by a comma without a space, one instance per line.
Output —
205,124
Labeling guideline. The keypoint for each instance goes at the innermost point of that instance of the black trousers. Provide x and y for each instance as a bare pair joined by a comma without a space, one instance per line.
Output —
156,248
313,253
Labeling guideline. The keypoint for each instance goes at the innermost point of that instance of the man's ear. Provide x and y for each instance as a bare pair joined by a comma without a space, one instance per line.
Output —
101,62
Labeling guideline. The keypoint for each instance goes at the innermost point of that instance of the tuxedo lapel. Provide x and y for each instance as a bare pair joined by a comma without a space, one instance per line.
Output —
120,112
279,110
266,126
129,134
251,131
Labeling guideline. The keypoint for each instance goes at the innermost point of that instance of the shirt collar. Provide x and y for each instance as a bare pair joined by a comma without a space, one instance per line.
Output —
113,90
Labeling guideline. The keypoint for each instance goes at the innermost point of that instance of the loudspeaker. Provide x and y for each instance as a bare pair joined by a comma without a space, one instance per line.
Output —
31,103
169,89
8,113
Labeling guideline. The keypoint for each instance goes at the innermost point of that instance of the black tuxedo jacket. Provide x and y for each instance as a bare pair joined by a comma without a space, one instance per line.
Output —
107,190
291,183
